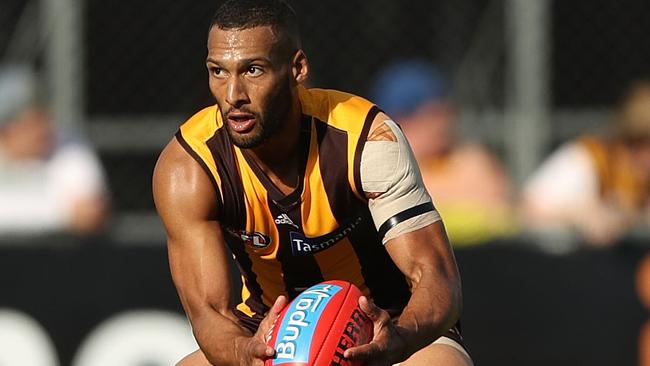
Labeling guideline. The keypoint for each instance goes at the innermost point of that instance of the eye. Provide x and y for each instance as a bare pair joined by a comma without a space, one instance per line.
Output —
254,71
216,71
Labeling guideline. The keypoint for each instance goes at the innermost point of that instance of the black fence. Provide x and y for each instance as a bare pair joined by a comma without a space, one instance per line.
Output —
522,307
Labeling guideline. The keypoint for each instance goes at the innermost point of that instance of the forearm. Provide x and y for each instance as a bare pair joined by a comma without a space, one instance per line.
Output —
218,335
434,307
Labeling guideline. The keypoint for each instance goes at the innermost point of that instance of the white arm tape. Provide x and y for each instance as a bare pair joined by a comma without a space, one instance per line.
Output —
389,168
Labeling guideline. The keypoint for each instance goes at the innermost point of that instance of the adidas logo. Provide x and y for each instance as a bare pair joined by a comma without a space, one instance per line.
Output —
283,219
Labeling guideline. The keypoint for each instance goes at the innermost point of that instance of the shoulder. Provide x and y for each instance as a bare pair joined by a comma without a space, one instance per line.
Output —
316,99
379,130
339,109
184,174
172,157
193,131
348,118
195,137
174,165
180,184
202,124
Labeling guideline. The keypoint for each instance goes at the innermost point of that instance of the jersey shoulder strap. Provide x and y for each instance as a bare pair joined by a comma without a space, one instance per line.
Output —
345,113
194,136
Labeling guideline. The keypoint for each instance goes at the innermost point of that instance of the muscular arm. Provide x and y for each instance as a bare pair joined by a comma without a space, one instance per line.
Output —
425,257
185,200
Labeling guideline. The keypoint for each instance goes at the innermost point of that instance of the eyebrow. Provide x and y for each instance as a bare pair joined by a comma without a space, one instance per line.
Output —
244,61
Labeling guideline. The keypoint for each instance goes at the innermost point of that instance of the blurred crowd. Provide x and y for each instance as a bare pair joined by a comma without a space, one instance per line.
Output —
596,186
50,181
590,191
468,184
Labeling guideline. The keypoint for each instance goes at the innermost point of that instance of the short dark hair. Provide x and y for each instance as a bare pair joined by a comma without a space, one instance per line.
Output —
245,14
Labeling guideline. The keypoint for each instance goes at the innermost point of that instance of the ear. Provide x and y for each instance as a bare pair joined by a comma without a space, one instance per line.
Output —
300,67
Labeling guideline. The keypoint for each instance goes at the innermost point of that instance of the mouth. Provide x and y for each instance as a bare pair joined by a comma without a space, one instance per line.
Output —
241,122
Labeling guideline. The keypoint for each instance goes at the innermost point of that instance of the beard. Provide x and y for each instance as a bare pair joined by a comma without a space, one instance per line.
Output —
268,122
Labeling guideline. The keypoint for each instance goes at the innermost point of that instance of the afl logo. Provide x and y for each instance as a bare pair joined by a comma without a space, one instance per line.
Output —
253,239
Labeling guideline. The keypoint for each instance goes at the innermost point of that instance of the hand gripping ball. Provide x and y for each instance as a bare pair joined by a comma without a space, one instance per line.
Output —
319,325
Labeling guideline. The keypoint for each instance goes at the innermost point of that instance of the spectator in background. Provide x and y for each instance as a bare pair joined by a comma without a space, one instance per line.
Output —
597,186
46,184
468,184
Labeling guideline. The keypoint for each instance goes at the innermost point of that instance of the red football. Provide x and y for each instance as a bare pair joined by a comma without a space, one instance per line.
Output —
319,325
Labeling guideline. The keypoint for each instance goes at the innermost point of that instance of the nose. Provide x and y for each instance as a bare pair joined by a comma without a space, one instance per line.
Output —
236,94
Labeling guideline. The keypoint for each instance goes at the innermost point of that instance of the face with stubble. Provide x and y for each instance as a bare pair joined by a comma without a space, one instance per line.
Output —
253,79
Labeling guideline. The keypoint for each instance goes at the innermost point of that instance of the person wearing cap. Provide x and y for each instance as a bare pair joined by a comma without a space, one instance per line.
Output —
469,185
595,187
47,184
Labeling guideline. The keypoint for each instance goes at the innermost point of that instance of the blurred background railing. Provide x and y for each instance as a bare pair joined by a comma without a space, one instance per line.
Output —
526,75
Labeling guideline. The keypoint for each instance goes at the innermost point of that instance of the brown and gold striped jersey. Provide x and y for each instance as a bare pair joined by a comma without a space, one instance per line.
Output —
283,244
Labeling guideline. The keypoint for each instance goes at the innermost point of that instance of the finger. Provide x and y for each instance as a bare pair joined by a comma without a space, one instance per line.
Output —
261,350
363,352
368,307
268,323
274,312
278,305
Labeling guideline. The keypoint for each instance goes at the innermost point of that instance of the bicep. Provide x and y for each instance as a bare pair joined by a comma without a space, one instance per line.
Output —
416,239
398,200
424,251
186,202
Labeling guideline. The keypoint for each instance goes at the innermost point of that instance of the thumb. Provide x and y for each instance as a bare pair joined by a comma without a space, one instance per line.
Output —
368,307
261,350
251,347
